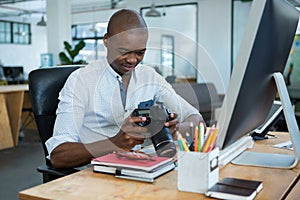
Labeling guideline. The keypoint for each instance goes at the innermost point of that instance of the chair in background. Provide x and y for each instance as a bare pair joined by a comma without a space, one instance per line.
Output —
203,96
44,87
171,79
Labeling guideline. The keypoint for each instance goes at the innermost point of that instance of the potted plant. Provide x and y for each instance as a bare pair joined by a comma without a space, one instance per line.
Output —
72,53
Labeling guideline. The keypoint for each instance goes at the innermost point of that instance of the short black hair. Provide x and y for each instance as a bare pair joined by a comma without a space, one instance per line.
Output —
123,20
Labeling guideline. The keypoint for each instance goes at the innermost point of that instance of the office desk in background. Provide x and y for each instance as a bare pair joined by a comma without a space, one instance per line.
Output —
294,91
11,102
87,184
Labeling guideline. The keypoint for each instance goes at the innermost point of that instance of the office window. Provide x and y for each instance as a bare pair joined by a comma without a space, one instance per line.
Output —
15,32
5,30
167,54
92,35
21,33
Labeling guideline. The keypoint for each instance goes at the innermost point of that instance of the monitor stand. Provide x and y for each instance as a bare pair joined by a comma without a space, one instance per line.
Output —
277,160
235,149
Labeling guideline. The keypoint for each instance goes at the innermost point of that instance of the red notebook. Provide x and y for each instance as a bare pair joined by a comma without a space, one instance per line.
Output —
131,160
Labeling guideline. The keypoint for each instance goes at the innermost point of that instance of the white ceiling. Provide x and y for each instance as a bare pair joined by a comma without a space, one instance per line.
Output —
11,8
29,7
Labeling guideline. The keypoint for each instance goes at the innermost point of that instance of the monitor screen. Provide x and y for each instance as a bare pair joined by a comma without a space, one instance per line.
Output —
14,74
264,50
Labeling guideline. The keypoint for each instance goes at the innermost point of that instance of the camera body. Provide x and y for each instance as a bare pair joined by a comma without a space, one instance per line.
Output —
161,137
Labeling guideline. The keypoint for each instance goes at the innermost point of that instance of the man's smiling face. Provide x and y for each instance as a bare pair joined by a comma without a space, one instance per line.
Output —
126,50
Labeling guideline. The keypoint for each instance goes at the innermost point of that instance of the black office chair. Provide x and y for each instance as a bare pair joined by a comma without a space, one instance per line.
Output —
44,87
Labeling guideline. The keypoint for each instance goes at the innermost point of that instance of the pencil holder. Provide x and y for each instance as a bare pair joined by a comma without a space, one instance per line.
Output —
197,172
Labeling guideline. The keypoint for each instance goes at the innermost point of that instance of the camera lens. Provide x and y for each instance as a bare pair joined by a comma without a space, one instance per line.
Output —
167,150
160,135
163,143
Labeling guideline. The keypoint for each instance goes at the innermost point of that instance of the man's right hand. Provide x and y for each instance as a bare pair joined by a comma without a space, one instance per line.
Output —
130,133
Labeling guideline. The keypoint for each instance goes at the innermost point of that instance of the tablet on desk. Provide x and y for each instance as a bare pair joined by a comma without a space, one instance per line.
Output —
261,131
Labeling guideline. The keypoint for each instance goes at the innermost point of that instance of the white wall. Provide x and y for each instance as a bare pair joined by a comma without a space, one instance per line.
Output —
58,26
215,37
27,56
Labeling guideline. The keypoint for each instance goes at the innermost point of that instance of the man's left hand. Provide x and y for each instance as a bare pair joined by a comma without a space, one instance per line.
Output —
173,124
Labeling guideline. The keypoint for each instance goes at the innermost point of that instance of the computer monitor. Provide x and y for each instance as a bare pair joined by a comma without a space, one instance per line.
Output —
264,51
14,74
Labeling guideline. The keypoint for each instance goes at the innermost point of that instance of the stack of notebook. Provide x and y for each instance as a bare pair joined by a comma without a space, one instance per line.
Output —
133,165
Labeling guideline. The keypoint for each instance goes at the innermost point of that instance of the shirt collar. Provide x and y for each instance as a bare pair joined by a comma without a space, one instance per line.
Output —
117,76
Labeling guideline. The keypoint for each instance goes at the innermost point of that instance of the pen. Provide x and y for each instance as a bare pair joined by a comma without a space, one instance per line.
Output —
188,137
192,131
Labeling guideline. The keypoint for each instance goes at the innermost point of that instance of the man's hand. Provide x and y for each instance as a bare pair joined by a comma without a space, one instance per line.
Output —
130,134
173,124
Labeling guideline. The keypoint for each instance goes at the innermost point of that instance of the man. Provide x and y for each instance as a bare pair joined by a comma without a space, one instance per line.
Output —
94,113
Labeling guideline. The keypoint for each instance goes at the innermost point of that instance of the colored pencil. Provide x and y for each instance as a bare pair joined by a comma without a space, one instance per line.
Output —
196,139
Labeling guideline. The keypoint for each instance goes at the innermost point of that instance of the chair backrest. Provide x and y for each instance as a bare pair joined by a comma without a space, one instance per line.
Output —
202,96
44,87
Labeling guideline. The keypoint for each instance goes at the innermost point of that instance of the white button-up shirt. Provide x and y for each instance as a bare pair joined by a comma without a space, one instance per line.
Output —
91,109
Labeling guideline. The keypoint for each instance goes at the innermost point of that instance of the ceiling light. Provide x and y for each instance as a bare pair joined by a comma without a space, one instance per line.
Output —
42,22
19,32
153,12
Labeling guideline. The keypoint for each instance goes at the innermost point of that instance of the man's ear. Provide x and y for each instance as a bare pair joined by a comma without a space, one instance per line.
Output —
105,39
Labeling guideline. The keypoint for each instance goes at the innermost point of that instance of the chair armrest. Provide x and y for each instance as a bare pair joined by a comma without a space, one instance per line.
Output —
51,171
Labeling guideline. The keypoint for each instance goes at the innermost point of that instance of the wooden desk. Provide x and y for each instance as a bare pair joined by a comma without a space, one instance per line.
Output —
11,102
89,185
295,191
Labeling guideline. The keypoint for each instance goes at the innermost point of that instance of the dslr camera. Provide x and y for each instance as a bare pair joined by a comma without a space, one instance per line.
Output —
161,137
